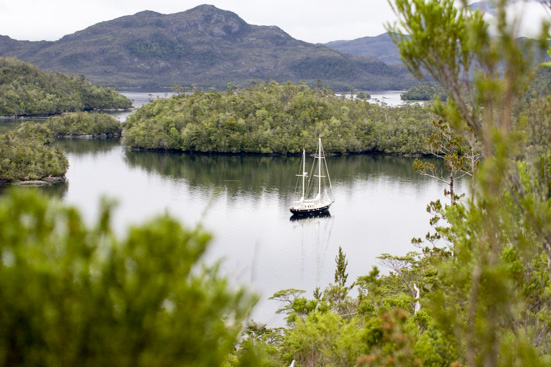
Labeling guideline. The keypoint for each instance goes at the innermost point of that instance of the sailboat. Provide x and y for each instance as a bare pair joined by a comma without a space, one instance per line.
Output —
322,195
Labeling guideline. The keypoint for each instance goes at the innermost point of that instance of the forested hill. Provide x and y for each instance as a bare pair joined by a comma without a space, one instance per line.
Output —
380,46
205,46
25,90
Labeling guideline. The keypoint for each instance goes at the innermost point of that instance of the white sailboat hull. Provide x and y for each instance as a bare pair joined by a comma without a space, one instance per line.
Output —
322,201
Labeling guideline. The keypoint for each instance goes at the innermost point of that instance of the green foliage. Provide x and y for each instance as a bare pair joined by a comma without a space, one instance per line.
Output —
276,118
541,85
83,123
535,122
375,328
396,348
78,295
480,299
294,306
336,296
325,339
26,154
363,95
260,347
340,273
26,90
460,155
425,92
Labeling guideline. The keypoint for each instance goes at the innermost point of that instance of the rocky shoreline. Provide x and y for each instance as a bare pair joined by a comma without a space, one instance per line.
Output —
88,136
42,182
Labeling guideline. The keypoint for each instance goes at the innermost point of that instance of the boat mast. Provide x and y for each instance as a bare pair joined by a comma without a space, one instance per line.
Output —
303,171
319,168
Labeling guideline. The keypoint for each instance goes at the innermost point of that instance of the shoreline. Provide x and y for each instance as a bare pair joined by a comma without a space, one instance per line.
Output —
45,116
42,182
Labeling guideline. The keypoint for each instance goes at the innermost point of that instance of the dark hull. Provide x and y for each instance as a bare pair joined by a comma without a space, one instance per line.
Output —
325,214
310,212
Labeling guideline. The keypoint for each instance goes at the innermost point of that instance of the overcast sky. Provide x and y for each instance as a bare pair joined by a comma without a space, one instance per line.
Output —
316,21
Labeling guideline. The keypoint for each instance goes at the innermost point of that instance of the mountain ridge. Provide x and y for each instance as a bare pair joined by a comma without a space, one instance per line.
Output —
380,46
205,46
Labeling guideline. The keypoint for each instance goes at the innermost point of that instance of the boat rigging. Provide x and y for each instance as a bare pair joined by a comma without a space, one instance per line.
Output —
322,199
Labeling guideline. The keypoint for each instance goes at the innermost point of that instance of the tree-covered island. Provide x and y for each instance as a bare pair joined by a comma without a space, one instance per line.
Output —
26,154
89,124
25,90
269,117
424,92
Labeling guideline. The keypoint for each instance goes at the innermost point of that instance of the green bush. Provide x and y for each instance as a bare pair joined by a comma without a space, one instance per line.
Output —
74,295
83,123
425,92
26,154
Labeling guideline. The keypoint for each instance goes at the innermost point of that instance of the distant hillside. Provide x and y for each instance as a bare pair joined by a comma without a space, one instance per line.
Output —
380,47
205,46
26,90
484,5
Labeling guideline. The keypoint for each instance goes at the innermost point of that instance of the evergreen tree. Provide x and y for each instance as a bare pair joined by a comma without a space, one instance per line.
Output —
78,295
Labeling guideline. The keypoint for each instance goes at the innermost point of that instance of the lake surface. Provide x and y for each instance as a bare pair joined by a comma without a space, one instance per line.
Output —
243,201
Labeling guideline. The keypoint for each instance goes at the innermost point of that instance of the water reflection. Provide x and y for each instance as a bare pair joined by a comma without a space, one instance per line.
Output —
235,174
87,147
56,191
309,218
244,202
255,175
312,237
12,124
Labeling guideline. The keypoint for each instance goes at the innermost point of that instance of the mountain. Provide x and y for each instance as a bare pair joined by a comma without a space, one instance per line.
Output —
380,47
485,6
205,46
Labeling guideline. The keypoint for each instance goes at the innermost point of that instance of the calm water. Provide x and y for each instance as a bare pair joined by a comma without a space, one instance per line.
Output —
243,201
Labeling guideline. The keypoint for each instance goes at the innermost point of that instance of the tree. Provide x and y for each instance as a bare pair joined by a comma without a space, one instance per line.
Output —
336,295
401,265
459,156
77,295
27,154
479,299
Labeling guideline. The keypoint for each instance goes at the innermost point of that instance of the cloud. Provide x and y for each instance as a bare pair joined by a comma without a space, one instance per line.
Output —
528,17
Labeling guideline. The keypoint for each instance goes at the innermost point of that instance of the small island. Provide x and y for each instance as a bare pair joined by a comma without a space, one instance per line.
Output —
84,125
273,118
425,92
27,156
25,91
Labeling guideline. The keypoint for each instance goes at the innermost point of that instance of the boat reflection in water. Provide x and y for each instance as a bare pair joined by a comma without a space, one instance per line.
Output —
301,217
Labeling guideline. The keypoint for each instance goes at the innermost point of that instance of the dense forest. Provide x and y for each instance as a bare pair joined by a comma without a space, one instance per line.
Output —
83,123
269,117
26,90
425,92
27,154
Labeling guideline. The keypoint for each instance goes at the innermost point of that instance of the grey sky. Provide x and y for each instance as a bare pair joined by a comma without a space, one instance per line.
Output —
308,20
